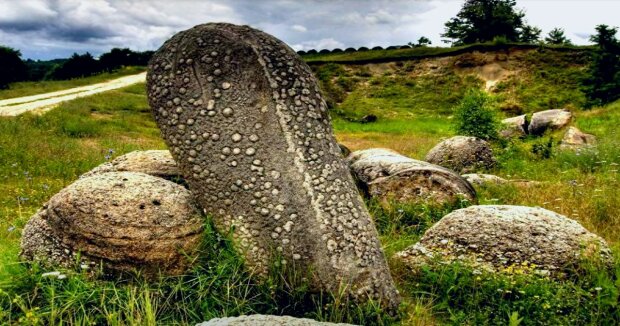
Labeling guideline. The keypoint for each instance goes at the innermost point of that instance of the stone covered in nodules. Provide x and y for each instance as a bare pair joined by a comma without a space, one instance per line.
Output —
157,163
127,221
244,118
387,175
462,154
501,237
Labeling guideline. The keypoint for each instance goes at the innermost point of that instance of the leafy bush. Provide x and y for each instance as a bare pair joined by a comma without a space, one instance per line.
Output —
475,116
543,149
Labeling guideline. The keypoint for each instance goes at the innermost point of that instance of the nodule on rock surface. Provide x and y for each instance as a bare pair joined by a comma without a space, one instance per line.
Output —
502,237
389,176
124,220
244,118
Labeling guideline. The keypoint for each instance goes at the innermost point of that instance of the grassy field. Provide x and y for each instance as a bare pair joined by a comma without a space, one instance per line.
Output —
414,113
31,88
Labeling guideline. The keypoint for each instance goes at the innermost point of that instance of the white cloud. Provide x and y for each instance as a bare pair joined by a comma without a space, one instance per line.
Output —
299,28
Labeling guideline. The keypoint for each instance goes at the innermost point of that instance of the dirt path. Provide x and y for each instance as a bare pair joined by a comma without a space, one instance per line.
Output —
48,101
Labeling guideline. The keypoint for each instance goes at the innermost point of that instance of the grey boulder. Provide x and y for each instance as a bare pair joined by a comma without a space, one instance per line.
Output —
462,154
481,179
244,117
514,127
549,120
500,238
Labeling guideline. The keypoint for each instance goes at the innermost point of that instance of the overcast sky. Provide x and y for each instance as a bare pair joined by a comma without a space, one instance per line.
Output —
45,29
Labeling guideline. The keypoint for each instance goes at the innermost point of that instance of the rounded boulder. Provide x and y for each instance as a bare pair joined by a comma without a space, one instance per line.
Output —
124,220
504,238
462,154
157,163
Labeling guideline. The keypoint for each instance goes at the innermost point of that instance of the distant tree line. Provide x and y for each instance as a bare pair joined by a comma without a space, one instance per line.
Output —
14,69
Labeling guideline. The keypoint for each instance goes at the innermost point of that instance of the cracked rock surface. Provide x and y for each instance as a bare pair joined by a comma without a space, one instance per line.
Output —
243,116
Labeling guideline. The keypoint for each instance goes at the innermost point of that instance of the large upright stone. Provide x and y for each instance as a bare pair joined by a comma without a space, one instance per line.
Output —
244,118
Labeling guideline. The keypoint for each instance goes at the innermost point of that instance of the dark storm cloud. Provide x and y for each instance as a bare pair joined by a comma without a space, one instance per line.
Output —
57,28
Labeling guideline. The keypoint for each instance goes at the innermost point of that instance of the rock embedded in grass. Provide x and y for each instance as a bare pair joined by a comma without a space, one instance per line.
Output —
514,127
462,154
245,120
389,176
482,179
266,320
157,163
509,239
549,120
124,220
576,139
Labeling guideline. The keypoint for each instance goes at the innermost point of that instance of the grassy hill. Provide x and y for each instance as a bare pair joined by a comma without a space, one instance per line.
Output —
413,100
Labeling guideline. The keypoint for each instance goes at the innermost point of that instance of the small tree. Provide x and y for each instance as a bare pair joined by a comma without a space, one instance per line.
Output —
12,68
475,116
423,41
603,86
484,20
556,36
530,34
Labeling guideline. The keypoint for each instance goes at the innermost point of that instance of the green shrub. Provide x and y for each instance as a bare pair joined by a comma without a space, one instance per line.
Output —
475,116
543,149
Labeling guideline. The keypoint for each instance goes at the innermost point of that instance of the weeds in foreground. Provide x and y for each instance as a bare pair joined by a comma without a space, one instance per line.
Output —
217,286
